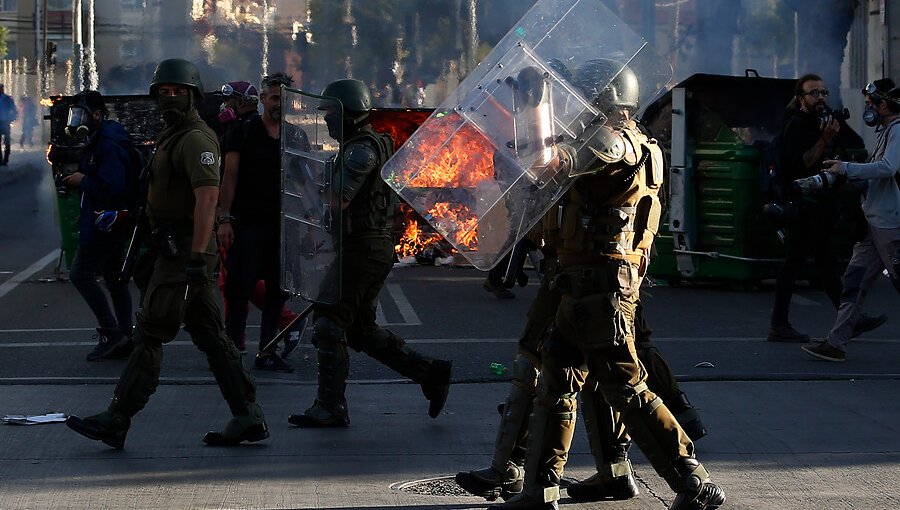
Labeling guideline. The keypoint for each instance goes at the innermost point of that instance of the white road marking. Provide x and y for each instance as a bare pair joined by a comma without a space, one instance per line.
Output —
406,310
11,284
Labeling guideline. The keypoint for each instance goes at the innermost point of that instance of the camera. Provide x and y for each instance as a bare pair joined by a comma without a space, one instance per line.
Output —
821,180
59,180
838,115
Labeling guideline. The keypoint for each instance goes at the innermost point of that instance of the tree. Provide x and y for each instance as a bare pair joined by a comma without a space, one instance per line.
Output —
4,33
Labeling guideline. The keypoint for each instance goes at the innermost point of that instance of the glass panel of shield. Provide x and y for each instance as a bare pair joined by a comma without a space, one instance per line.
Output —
485,167
310,207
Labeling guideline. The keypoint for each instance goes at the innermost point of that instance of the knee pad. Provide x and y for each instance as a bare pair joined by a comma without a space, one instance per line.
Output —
524,374
326,331
626,398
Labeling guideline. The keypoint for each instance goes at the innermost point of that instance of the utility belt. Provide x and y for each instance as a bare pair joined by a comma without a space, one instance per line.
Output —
612,276
168,238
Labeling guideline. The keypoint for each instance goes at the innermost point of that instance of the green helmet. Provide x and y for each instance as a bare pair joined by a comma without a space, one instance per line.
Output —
177,71
608,83
353,94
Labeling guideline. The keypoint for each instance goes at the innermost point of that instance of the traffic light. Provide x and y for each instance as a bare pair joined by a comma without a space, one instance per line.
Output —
50,54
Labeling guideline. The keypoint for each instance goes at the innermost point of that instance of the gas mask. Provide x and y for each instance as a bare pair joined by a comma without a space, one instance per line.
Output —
226,114
80,123
174,108
871,116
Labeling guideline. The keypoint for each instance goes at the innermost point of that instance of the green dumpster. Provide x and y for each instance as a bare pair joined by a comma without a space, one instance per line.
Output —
68,209
719,130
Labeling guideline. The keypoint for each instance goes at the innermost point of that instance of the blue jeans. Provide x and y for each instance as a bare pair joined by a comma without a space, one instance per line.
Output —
105,258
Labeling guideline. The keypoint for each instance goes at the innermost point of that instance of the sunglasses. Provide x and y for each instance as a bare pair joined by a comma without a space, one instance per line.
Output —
817,93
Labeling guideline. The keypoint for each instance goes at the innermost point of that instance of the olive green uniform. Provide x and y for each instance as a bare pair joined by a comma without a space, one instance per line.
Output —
186,158
606,228
366,249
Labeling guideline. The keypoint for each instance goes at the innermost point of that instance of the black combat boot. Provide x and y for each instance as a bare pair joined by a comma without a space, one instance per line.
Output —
694,490
436,386
613,481
250,427
110,427
543,496
490,484
330,408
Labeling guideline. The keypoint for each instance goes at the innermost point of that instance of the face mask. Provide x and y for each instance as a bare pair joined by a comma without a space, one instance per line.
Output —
871,116
334,121
173,108
80,123
226,114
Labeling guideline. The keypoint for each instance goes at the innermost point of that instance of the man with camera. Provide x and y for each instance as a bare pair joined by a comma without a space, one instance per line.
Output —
811,131
880,178
107,186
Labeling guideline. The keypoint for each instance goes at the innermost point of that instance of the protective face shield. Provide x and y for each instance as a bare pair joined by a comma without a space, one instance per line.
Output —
489,162
80,123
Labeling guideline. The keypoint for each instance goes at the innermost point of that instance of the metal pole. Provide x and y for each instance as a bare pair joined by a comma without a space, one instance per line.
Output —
77,46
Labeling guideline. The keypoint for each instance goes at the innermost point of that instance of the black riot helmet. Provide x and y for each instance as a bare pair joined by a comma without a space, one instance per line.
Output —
81,122
608,83
353,94
179,72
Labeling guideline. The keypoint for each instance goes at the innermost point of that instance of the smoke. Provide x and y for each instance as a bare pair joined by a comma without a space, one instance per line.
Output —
396,43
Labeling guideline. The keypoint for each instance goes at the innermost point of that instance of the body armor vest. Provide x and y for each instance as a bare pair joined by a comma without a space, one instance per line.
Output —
371,212
613,213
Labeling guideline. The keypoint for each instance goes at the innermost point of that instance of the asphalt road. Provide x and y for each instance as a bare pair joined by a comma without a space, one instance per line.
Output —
779,419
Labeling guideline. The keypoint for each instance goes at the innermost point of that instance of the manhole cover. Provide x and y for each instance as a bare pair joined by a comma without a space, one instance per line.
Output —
439,486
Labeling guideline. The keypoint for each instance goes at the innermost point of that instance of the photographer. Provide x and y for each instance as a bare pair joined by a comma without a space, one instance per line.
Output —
810,132
107,188
881,205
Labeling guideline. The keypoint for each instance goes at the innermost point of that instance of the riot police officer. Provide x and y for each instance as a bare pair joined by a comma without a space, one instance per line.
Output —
181,205
606,228
366,251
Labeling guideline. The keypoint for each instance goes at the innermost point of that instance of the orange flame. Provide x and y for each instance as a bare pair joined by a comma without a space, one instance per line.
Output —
46,101
458,221
414,240
462,159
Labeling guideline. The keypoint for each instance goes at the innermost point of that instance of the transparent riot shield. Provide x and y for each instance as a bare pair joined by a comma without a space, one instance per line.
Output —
310,207
486,165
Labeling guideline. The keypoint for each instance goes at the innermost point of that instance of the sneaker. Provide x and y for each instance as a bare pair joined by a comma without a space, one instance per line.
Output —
293,338
271,361
497,289
867,323
787,334
108,342
824,350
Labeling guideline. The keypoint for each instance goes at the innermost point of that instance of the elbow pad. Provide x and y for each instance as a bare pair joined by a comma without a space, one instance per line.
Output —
359,161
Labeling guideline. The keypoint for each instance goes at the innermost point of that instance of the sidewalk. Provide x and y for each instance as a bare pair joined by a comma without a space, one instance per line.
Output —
791,445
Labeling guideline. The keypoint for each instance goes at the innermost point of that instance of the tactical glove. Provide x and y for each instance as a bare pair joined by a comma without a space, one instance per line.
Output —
196,269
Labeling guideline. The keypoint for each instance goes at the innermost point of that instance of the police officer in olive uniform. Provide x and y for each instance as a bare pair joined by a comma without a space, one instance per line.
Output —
607,221
181,204
366,247
609,444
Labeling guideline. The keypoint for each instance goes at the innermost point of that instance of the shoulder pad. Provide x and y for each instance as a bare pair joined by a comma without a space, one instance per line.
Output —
360,158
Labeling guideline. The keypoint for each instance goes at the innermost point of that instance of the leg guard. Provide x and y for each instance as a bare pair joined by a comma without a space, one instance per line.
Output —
228,368
609,445
550,432
140,377
661,381
505,476
330,407
650,424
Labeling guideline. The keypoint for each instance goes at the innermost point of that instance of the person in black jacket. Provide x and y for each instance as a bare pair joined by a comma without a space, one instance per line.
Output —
107,185
810,134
